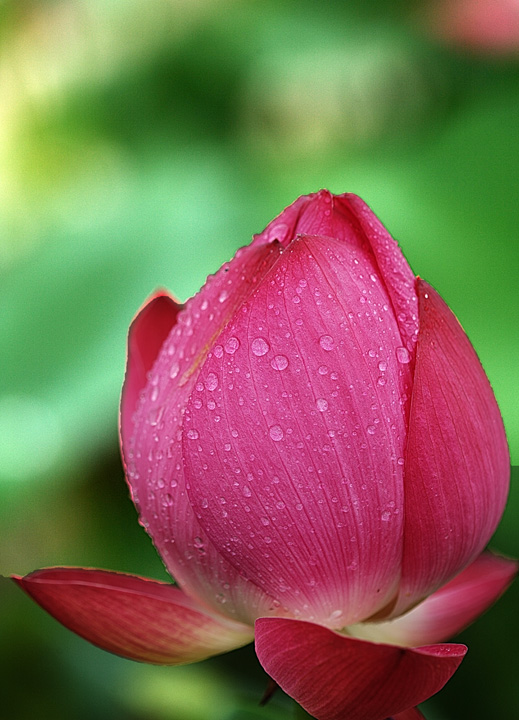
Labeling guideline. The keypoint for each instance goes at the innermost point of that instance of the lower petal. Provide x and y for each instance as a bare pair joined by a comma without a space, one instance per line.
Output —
334,676
131,616
448,610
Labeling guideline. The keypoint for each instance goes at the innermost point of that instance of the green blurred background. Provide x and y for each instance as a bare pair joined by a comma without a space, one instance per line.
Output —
141,143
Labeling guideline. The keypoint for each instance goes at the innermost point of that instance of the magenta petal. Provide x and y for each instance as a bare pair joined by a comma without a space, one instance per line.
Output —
335,677
451,608
411,714
146,336
457,463
131,616
155,470
394,269
294,442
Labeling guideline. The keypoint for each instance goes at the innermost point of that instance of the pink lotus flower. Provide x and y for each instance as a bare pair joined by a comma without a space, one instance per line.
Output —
317,454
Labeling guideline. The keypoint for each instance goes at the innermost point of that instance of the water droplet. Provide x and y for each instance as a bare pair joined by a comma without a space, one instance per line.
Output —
155,415
260,346
160,483
382,366
173,371
322,370
198,543
386,516
193,434
321,404
279,362
265,521
400,461
168,500
335,615
402,355
232,345
246,491
211,382
223,296
326,342
381,381
218,351
276,433
280,505
371,429
267,539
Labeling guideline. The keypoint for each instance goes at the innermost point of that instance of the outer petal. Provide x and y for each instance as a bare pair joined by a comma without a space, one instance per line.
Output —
131,616
152,440
448,610
294,443
457,464
335,677
411,714
146,336
394,270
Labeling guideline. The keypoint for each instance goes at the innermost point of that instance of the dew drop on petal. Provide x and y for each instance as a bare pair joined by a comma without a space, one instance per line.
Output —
326,342
193,434
276,433
232,345
279,362
382,366
173,371
218,351
211,382
321,404
371,429
322,370
402,355
260,346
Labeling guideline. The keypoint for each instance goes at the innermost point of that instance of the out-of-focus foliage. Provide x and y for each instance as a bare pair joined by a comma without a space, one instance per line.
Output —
141,143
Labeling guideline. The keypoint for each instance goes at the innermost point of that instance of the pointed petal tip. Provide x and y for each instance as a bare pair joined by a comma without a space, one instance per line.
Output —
134,617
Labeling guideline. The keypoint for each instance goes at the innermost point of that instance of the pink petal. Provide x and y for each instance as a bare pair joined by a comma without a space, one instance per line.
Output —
411,714
147,333
450,609
294,443
457,463
335,677
155,471
131,616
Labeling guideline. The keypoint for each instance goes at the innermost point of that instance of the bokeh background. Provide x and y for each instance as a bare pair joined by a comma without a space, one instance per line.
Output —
141,143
